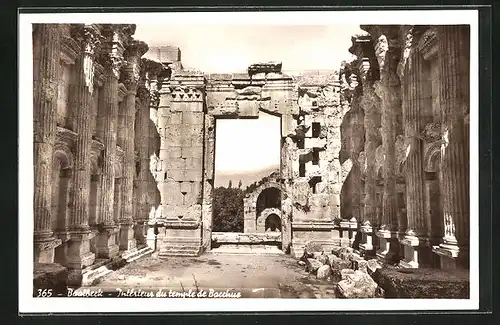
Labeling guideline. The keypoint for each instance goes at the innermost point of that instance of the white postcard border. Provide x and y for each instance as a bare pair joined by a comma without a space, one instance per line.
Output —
28,304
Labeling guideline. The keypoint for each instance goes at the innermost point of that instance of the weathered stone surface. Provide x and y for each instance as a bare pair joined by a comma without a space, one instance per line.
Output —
323,272
423,283
357,285
49,276
312,265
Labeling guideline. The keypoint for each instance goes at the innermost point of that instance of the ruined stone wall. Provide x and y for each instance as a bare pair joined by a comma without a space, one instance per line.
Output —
404,74
91,161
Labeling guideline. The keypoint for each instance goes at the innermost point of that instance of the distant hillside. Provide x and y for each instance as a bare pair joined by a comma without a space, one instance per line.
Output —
247,178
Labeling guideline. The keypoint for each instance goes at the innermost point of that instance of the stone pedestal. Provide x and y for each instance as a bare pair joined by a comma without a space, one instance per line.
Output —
388,251
127,240
79,255
106,244
367,248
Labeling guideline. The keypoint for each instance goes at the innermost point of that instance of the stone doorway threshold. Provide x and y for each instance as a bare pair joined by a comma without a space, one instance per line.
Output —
246,249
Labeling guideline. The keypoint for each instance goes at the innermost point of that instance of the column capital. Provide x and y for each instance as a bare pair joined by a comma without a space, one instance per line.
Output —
362,47
131,72
89,36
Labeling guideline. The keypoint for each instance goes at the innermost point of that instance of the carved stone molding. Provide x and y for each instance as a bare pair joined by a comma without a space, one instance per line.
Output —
432,156
99,74
428,43
70,49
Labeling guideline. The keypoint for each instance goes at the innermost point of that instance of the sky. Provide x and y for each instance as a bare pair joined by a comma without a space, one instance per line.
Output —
248,145
232,48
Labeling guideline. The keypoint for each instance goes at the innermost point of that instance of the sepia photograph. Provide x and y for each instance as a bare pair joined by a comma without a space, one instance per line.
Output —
276,160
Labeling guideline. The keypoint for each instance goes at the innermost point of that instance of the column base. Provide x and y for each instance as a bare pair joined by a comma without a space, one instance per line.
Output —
388,251
106,246
44,249
451,256
366,247
413,250
127,240
79,254
151,237
139,230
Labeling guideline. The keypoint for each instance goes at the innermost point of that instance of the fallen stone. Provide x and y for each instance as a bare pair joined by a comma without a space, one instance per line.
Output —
312,265
361,265
312,247
372,266
357,285
324,272
423,283
337,265
50,276
302,263
336,251
323,259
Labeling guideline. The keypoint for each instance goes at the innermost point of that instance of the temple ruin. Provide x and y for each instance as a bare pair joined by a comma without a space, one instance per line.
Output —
374,156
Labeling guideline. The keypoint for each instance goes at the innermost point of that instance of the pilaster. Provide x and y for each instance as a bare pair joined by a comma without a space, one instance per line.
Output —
46,65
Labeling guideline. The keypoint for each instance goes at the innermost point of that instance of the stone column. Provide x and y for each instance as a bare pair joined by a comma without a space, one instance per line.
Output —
112,60
130,78
46,65
81,89
142,164
453,44
416,232
388,54
363,48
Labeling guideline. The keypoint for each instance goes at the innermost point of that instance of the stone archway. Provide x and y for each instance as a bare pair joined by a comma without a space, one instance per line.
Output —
265,196
267,219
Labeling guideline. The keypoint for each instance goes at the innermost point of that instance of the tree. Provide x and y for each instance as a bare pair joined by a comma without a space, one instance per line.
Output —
230,184
240,184
228,209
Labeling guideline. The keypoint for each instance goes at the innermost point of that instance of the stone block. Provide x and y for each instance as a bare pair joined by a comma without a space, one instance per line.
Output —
50,276
423,283
178,175
323,272
174,163
312,265
190,118
176,118
357,285
194,175
174,152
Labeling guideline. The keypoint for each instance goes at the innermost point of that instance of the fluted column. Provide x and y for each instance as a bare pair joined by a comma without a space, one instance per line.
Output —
130,78
362,47
81,88
388,55
416,232
453,44
112,59
46,65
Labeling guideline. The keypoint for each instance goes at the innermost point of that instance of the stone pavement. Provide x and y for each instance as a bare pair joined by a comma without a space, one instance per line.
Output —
254,276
